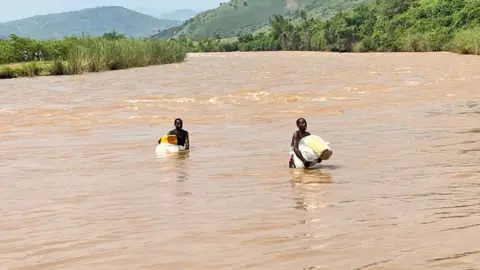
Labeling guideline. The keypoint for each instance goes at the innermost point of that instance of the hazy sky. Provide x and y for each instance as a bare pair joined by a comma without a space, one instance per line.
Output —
18,9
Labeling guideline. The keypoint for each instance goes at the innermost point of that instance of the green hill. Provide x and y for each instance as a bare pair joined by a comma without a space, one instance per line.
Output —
377,25
179,15
176,15
234,18
325,9
321,10
91,21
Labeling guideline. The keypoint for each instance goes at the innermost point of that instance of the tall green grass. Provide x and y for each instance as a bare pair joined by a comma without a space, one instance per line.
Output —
466,41
95,55
101,54
29,69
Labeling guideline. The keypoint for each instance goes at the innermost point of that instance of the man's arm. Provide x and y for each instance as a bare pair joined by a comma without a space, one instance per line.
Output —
187,141
295,142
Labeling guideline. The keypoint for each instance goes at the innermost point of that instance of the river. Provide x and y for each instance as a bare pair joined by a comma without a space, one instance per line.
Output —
82,187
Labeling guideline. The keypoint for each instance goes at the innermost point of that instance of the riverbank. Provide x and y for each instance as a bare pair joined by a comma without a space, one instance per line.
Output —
57,68
460,41
28,69
79,55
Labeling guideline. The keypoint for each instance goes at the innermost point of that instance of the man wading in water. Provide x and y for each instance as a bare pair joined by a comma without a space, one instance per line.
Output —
297,136
182,135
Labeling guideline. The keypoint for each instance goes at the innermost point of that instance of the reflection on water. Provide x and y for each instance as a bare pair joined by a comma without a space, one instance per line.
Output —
174,162
311,176
82,189
308,193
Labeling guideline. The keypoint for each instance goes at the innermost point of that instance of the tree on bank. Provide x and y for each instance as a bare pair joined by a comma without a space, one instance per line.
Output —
380,25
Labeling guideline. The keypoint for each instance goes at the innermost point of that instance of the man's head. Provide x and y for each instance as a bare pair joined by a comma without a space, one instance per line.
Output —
302,124
178,123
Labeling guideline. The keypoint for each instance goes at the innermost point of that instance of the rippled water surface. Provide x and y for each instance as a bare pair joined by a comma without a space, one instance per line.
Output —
81,186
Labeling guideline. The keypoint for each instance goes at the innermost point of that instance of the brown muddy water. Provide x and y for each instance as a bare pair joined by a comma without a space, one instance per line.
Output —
82,188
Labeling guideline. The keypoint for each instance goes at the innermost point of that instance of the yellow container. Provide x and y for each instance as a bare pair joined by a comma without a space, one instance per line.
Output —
170,139
319,146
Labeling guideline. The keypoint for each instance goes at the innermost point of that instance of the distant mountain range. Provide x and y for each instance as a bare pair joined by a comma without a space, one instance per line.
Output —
90,21
176,15
227,20
235,17
179,15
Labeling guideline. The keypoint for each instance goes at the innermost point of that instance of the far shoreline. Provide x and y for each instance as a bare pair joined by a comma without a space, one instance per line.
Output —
42,68
45,72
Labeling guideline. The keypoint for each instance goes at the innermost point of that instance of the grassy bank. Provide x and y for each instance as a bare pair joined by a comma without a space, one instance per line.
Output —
378,26
78,55
29,69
